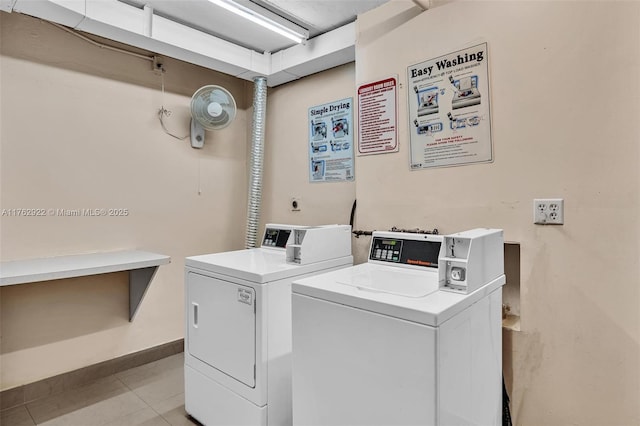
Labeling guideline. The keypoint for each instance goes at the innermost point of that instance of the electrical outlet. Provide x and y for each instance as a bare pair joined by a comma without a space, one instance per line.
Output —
295,204
548,211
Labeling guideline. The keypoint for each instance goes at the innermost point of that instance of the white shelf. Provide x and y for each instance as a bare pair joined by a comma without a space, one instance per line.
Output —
141,265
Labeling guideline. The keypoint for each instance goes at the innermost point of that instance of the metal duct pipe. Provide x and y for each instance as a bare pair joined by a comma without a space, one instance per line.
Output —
257,160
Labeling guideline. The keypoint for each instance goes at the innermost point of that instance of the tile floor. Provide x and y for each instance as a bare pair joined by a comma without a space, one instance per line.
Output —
149,395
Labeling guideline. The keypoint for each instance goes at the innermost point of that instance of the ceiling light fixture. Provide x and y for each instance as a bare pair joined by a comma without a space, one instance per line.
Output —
298,35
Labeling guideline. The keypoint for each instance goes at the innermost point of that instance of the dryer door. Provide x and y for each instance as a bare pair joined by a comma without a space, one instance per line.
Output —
222,326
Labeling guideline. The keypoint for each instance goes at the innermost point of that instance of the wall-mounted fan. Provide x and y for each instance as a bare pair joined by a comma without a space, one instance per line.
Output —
212,108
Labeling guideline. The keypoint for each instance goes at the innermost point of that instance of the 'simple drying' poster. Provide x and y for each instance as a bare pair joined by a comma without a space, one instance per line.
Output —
331,142
450,122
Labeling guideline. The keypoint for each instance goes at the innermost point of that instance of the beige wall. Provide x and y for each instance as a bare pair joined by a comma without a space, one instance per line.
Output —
286,165
80,130
565,107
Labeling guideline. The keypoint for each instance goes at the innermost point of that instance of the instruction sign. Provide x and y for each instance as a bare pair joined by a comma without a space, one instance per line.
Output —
377,117
449,110
331,142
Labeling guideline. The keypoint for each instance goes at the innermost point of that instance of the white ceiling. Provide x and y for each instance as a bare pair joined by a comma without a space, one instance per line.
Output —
199,32
317,16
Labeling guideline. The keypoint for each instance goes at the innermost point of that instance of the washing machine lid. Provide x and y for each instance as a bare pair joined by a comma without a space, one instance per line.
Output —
259,265
409,283
402,293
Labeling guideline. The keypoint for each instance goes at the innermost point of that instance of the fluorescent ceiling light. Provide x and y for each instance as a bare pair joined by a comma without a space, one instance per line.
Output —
298,36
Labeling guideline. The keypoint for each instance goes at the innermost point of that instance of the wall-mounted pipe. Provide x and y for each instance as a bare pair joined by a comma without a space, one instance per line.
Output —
147,27
257,160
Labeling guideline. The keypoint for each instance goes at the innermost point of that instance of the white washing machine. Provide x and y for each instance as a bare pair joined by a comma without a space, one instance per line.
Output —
412,337
238,323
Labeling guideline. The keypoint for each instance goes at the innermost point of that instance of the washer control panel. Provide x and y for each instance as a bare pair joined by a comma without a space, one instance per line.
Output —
387,249
405,251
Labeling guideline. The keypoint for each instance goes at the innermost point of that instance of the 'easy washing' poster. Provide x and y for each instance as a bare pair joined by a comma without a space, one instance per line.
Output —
331,142
450,121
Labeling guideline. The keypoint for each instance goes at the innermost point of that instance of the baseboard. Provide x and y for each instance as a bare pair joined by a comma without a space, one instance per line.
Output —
42,388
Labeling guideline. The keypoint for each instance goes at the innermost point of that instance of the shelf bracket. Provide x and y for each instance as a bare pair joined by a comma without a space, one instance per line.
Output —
139,280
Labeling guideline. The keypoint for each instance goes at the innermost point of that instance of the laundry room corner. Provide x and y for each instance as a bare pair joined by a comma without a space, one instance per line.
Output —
286,161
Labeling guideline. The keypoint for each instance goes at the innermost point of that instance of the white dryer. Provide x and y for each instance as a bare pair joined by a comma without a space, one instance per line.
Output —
238,325
412,337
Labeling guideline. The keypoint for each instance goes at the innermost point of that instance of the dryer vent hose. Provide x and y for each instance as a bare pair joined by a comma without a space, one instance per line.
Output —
257,160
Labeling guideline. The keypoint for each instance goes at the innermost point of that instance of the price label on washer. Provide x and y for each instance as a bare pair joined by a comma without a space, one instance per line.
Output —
245,296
